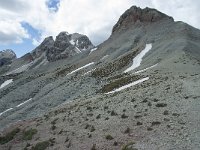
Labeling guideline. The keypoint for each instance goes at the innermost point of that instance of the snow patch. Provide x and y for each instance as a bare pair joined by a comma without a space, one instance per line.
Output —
77,50
77,42
6,83
5,111
84,49
24,102
92,50
104,57
81,68
129,85
138,59
72,42
89,71
146,69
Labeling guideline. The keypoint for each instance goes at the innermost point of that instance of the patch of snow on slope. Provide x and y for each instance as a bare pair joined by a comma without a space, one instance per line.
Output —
6,83
139,71
138,59
5,111
77,50
92,50
129,85
81,68
24,102
89,71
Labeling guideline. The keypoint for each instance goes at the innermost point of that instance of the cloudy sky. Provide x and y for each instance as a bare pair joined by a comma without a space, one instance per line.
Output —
25,23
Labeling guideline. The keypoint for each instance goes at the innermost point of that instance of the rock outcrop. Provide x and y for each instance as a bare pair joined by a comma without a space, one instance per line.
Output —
136,14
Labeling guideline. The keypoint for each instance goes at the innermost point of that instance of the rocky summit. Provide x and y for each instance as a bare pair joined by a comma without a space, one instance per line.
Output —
138,90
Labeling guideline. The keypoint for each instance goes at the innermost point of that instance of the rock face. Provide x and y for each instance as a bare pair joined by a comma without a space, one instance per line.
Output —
45,46
138,15
6,57
67,45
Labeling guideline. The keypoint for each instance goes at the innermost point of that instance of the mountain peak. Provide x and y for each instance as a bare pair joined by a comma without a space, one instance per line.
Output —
137,14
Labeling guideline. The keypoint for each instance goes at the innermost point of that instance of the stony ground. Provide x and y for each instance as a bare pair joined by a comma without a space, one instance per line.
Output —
161,113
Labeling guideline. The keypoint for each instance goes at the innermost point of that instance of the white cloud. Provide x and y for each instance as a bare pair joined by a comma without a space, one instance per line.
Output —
89,17
35,42
11,32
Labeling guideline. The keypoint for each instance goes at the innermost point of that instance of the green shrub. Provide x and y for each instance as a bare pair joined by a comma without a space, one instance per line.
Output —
28,135
123,116
161,105
41,145
92,129
53,127
128,130
113,113
109,137
9,136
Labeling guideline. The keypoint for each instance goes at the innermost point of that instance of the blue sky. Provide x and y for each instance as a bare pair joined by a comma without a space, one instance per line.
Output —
24,24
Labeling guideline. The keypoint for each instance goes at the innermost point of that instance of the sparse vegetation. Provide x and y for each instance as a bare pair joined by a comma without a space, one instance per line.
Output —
63,72
137,116
161,105
139,123
118,83
129,146
123,116
176,114
166,112
128,130
109,137
113,113
118,64
53,127
54,121
155,123
41,145
149,104
9,136
98,116
28,135
149,129
115,143
92,129
93,147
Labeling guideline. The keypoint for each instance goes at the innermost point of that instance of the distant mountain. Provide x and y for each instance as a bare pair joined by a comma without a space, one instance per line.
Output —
139,89
65,46
6,57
